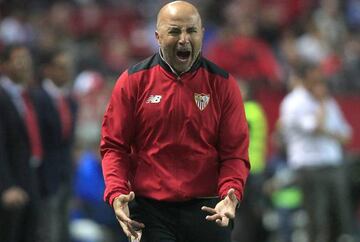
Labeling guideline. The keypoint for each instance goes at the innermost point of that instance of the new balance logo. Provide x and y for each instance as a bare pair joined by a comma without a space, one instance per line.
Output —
154,99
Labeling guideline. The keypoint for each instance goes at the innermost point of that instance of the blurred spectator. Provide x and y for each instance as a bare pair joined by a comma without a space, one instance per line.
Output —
330,23
248,223
21,150
353,14
56,108
256,118
275,16
283,191
315,130
88,190
52,27
16,29
311,45
350,81
288,56
241,52
91,91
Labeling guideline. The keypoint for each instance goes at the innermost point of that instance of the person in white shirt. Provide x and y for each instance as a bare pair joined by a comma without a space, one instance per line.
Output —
315,131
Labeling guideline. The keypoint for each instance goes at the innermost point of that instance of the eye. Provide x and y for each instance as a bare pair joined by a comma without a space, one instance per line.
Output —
192,30
174,31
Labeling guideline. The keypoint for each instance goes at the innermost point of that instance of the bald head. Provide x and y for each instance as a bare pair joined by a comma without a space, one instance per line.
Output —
179,33
176,10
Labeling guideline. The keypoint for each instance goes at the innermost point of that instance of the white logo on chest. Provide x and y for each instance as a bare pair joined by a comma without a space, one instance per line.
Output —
201,100
154,99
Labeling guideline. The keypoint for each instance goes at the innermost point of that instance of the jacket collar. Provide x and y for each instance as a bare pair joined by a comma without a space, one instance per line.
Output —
53,90
169,68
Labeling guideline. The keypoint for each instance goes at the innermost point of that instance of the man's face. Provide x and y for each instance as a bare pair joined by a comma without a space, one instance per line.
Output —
19,66
60,69
316,84
180,36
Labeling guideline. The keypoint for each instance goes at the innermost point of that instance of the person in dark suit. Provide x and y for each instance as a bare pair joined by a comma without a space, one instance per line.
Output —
56,110
20,148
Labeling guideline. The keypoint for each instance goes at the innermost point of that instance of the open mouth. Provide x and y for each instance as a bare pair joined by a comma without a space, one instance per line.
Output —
183,55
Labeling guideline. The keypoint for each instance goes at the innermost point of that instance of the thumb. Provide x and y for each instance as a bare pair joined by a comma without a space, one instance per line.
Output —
231,194
125,198
231,212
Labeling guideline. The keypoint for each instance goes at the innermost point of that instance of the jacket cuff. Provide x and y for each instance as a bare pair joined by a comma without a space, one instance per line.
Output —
112,198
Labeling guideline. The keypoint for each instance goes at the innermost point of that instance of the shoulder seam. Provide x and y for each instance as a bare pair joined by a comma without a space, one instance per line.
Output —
144,65
215,69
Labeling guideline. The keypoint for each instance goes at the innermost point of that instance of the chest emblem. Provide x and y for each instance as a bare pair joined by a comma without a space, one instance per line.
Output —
201,100
154,99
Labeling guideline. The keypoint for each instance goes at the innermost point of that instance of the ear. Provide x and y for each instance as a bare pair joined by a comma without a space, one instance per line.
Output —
157,36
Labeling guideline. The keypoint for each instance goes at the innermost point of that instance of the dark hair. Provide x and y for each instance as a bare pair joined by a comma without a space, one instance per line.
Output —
304,67
43,59
6,52
46,57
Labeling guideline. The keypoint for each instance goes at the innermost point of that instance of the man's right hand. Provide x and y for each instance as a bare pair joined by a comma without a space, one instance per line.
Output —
14,197
122,213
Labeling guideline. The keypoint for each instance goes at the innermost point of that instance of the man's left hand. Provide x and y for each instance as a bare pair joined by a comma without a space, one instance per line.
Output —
224,210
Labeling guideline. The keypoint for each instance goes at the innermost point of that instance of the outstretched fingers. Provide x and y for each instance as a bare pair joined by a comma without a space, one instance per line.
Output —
136,225
223,222
214,217
125,229
230,215
130,226
208,209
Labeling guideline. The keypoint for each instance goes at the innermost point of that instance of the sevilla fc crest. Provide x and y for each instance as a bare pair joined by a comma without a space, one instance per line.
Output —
201,100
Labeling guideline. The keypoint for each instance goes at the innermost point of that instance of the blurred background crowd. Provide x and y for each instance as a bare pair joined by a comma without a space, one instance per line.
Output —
86,44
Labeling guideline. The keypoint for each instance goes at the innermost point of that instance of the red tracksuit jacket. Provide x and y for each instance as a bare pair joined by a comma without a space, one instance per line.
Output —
174,138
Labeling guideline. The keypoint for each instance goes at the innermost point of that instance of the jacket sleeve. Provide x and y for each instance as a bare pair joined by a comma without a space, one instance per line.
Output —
116,136
233,141
6,177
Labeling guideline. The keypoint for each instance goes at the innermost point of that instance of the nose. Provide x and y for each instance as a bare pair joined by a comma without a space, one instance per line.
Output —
184,38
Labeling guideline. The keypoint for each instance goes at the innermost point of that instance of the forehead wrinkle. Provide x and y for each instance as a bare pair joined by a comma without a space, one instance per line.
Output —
177,23
171,26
